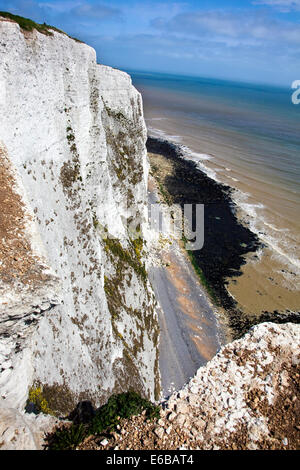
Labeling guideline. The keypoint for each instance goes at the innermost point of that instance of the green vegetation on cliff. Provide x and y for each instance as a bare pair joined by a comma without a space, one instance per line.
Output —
106,419
28,25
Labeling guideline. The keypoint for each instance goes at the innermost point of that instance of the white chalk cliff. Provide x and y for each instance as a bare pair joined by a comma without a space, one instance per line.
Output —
78,316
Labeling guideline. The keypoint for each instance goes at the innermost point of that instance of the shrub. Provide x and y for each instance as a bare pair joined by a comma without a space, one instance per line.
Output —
123,405
119,406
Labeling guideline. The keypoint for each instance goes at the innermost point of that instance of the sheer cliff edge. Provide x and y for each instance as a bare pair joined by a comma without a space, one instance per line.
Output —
77,314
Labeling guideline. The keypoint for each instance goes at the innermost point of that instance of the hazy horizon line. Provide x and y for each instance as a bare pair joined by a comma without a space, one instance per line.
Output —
190,75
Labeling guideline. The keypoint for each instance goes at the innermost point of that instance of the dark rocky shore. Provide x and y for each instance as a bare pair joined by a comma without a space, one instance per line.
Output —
226,241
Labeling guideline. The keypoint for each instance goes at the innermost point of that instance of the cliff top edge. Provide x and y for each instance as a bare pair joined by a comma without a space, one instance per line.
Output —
28,25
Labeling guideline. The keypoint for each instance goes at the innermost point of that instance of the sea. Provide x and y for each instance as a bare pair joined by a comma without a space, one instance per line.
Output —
246,136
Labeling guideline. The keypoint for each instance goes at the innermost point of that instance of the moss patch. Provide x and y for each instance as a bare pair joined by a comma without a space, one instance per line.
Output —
130,257
59,398
70,170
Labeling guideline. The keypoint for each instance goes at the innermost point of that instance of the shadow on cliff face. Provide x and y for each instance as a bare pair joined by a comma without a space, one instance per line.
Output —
83,413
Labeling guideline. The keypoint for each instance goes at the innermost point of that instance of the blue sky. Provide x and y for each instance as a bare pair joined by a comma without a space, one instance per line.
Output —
248,40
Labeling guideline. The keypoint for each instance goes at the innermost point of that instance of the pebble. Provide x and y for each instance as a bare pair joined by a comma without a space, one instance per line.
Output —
169,429
181,419
171,405
193,400
159,432
182,408
172,416
230,402
200,424
104,442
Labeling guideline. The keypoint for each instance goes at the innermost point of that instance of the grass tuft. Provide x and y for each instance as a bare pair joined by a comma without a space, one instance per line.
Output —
67,437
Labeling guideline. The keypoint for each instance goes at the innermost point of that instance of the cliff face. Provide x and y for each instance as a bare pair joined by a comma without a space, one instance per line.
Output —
79,318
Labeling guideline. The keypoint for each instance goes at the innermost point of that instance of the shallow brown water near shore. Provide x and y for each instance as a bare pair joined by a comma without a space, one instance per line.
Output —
263,287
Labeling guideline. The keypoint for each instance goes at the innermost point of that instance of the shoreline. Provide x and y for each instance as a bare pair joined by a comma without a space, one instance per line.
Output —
191,332
228,241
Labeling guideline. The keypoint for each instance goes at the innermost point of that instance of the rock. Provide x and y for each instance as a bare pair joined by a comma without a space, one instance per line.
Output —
194,389
210,427
21,431
172,416
181,419
170,404
146,441
159,432
242,391
15,434
182,407
200,424
104,442
230,402
169,429
193,399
